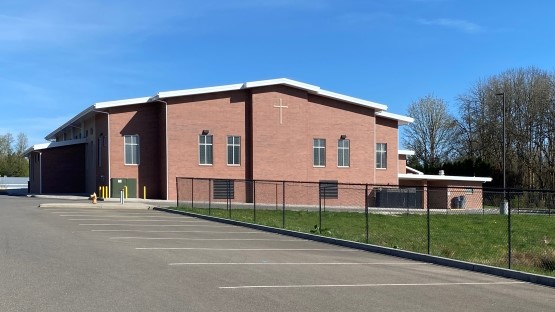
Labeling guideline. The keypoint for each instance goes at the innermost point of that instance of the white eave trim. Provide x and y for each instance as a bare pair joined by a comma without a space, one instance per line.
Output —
403,120
431,177
271,82
43,146
406,152
102,105
52,135
414,170
177,93
92,108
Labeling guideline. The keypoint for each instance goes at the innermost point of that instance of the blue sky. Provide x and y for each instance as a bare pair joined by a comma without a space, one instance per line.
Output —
58,57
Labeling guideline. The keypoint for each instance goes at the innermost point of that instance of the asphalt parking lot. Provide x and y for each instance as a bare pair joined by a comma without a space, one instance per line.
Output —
69,259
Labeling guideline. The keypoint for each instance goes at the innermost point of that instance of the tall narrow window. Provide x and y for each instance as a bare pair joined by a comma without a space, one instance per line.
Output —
319,148
343,153
205,149
381,155
233,150
131,149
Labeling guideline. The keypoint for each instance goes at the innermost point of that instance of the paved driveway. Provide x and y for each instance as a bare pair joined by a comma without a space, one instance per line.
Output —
67,259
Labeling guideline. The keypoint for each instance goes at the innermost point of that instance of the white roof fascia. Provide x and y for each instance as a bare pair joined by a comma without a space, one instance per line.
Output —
352,100
403,120
195,91
414,170
406,152
283,81
101,105
52,134
431,177
43,146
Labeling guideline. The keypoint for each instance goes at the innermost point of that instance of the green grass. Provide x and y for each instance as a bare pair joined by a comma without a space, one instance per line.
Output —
475,238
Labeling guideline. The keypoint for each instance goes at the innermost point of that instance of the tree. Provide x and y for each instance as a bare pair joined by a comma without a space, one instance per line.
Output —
12,161
530,126
431,134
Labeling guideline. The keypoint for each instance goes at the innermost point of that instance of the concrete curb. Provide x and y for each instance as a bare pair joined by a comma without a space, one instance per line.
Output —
98,206
512,274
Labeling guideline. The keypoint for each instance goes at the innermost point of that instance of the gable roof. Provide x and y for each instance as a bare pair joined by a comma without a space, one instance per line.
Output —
380,108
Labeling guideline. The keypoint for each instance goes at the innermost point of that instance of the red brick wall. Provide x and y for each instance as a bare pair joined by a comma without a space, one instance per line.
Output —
222,114
143,120
285,151
387,132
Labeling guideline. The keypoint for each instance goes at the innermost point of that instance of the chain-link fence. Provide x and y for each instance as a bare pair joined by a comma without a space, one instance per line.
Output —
511,228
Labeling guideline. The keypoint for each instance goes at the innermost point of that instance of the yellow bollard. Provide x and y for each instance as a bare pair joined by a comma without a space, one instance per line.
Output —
125,188
100,191
144,192
105,190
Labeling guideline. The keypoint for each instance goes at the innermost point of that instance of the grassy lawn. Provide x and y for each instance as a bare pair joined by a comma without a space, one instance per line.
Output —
474,238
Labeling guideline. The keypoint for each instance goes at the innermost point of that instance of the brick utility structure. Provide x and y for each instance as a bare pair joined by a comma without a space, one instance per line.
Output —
277,129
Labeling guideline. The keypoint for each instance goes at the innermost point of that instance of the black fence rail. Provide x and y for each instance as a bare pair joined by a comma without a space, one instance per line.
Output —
503,228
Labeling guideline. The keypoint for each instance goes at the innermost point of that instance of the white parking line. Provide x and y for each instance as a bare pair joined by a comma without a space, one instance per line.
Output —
298,263
123,216
157,220
169,231
373,285
127,224
208,239
245,249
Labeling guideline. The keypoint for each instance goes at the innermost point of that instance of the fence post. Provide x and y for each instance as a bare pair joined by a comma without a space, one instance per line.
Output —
319,208
507,192
254,199
283,203
366,209
192,193
228,203
428,217
209,196
177,190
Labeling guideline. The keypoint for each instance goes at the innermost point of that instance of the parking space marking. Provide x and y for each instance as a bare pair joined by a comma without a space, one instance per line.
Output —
168,225
246,249
123,216
298,263
170,231
133,220
374,285
206,239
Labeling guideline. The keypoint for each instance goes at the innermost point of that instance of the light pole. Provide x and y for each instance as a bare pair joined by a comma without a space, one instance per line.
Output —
505,206
504,146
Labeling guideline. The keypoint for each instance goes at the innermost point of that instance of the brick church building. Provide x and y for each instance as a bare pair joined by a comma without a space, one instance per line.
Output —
277,129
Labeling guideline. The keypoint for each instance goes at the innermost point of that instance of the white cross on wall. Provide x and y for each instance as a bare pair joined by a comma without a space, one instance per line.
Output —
281,107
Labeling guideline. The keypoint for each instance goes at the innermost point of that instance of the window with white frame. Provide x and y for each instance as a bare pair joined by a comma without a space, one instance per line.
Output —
233,150
319,147
205,149
131,150
343,153
381,155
